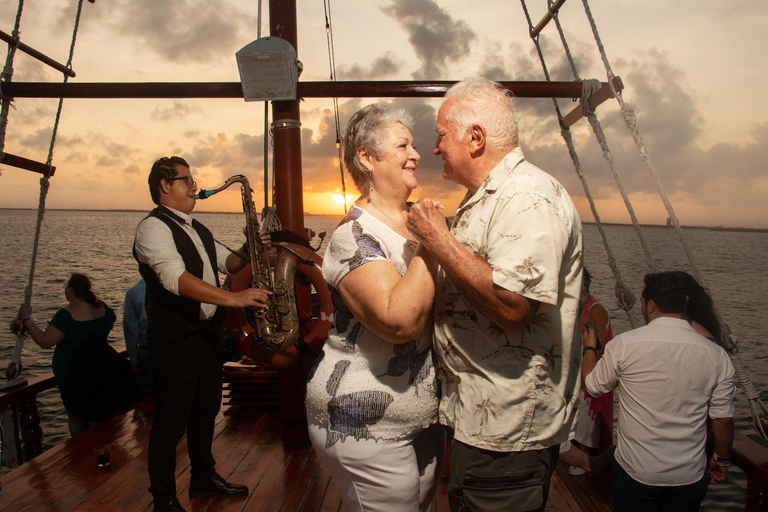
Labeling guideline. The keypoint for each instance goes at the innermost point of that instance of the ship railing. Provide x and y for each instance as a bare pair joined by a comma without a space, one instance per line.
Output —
747,454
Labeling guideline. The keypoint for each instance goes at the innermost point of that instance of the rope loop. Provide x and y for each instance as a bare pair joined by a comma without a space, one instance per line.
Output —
588,88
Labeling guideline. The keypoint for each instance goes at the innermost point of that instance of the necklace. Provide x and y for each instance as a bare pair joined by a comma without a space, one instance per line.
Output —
409,235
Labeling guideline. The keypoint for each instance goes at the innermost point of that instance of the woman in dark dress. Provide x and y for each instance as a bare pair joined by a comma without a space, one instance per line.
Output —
95,382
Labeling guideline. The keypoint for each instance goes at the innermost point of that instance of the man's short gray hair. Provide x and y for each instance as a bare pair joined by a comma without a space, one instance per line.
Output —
486,103
366,129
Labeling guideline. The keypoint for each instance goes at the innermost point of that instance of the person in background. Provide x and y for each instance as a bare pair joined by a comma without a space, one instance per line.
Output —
700,310
95,381
135,333
594,423
372,396
672,379
180,261
506,308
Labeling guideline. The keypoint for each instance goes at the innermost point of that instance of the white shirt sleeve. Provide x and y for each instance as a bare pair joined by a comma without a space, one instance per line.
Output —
605,375
721,404
222,253
527,242
155,246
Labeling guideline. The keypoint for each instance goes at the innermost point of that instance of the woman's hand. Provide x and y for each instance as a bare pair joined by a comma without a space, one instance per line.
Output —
588,339
25,310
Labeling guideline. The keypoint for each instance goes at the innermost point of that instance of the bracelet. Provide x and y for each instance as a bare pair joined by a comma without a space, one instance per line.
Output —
723,462
25,319
587,349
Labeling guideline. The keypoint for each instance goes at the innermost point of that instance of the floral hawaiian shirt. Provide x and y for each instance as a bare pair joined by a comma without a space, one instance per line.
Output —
504,390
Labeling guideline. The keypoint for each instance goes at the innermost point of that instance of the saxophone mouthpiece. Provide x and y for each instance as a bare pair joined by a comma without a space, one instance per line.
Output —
204,194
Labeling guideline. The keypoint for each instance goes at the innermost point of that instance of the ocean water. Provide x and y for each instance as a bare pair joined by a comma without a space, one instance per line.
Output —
99,244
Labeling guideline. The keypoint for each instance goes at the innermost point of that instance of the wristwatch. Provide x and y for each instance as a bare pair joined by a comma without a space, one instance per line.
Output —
586,349
723,462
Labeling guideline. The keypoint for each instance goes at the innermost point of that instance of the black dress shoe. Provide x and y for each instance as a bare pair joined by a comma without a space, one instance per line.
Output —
216,486
171,505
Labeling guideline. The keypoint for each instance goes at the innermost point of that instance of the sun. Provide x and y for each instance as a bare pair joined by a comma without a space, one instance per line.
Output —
339,199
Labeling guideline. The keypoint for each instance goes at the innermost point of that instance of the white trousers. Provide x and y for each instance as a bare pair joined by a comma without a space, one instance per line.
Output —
384,476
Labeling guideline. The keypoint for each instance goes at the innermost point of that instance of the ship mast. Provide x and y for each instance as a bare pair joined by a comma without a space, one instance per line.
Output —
286,127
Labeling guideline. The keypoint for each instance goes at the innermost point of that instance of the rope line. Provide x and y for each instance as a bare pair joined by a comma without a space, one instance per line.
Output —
624,296
15,365
607,153
729,341
7,76
337,121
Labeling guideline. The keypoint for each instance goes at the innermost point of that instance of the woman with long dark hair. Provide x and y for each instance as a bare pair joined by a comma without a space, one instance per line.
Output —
95,382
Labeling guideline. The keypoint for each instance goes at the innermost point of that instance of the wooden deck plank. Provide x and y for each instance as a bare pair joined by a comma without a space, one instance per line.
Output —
248,449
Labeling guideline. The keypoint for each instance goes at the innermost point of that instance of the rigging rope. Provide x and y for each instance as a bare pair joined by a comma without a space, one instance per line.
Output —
7,76
628,114
269,219
14,367
624,295
607,154
337,122
729,342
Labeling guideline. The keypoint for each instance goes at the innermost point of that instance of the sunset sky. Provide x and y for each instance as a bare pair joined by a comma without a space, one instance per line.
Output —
692,69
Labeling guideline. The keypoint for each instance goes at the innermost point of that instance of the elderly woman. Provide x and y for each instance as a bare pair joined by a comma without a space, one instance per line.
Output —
372,397
95,382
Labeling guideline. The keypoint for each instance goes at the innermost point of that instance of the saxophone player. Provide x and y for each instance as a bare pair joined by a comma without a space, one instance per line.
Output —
179,260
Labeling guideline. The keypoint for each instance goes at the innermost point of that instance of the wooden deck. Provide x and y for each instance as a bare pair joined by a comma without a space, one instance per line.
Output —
248,450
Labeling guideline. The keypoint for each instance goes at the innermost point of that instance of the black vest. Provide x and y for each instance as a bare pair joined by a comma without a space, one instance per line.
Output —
173,316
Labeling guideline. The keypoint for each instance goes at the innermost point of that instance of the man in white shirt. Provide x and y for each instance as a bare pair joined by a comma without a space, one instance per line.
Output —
180,261
672,379
506,306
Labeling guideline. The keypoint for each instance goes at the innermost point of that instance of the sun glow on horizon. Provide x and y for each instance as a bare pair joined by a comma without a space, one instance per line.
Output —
339,199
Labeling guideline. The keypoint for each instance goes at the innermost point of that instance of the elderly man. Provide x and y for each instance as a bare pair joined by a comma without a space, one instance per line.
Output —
179,261
672,379
506,308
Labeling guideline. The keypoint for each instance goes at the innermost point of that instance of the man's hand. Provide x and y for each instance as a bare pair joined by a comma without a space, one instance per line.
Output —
717,473
253,297
426,220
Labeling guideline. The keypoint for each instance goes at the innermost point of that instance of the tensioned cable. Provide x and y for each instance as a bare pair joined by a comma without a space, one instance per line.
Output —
607,154
7,76
628,114
624,295
269,220
332,65
44,186
729,342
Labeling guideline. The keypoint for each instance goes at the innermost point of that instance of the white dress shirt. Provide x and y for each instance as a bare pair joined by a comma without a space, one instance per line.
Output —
155,247
670,378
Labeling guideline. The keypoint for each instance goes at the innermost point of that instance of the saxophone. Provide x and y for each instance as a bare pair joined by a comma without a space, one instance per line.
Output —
277,325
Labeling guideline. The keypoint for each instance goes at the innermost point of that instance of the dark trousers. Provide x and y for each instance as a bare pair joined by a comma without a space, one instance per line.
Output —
187,375
629,495
485,481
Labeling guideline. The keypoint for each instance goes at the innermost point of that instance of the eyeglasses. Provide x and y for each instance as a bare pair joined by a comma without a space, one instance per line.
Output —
187,179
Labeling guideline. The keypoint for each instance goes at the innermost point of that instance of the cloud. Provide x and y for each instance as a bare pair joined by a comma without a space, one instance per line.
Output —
435,36
386,65
671,125
176,110
182,30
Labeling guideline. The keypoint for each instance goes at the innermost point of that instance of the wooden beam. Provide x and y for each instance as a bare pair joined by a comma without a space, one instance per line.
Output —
547,18
26,164
422,89
15,41
600,96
